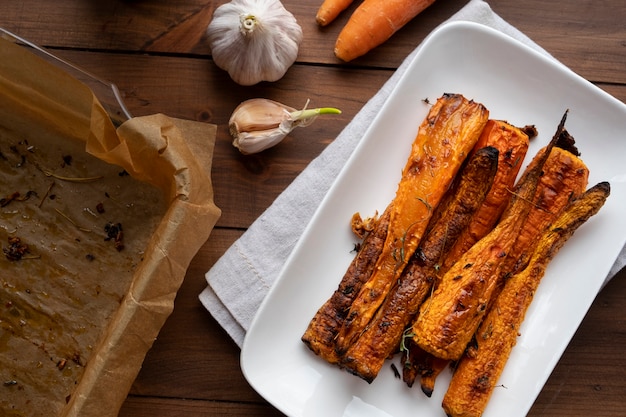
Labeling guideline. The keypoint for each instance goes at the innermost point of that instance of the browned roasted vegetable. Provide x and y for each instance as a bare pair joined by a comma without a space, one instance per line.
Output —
381,338
512,144
321,333
417,363
443,141
564,177
449,318
476,374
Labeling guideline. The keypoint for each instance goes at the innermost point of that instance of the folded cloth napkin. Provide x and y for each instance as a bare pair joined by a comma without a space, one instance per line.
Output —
240,279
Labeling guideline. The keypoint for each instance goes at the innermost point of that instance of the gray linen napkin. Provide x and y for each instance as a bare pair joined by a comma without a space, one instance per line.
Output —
240,279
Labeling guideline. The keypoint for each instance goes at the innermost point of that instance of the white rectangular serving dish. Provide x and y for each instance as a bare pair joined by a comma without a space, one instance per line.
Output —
516,84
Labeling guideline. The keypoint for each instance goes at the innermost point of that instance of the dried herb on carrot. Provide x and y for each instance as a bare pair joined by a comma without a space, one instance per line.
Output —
443,141
321,333
373,22
476,374
383,334
330,9
448,319
512,144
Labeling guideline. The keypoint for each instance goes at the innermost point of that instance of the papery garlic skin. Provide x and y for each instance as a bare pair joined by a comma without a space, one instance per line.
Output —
258,124
254,40
255,142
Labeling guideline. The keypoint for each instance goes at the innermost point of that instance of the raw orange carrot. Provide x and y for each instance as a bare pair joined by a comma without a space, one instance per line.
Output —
373,22
330,9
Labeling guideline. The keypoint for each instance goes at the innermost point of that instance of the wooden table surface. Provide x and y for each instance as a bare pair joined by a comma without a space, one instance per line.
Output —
157,53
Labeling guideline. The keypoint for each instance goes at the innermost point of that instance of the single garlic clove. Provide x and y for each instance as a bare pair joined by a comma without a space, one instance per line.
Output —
258,114
254,142
258,124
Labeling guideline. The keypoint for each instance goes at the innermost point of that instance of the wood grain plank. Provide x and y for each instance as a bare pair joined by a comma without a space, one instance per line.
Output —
580,34
161,407
193,89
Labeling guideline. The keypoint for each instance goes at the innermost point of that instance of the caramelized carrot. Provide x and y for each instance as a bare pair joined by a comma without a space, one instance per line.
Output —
565,177
449,318
477,373
443,141
373,22
320,335
330,9
383,334
512,144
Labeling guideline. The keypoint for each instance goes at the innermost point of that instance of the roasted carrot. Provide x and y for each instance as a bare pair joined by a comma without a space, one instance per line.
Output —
381,338
330,9
373,22
443,141
477,373
512,144
565,177
321,333
449,318
431,368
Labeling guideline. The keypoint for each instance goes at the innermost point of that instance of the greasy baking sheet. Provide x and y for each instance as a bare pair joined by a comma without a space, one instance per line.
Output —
111,218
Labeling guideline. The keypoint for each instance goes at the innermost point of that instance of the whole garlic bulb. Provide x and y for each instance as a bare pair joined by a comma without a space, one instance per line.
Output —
254,40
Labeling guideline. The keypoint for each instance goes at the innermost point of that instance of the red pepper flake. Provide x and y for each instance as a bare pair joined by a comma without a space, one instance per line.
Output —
100,208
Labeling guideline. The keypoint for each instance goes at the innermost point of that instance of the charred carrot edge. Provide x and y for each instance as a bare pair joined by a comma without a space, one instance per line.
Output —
564,177
322,330
382,336
443,141
476,374
449,318
373,22
512,143
430,373
330,9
